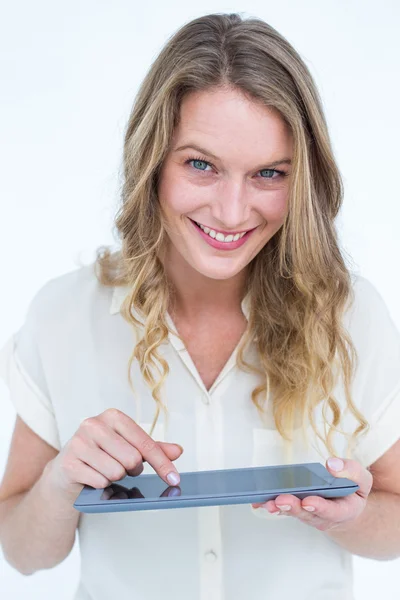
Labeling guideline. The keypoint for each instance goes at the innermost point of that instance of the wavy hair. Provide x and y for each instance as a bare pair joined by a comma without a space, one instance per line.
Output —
299,284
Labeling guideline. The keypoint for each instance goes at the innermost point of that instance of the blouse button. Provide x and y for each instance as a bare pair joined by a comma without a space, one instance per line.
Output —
210,556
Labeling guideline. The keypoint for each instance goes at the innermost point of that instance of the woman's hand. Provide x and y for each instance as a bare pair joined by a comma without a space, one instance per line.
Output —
106,448
331,513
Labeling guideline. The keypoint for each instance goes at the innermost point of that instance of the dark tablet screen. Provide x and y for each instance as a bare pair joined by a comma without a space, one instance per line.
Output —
216,483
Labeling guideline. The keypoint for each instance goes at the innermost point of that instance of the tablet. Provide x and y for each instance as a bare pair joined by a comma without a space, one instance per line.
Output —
212,488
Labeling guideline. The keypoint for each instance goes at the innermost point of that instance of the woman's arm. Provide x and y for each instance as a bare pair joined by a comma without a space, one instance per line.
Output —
37,528
37,525
376,532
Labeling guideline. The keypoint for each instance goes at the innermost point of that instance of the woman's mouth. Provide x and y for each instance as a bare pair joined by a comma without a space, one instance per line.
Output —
218,244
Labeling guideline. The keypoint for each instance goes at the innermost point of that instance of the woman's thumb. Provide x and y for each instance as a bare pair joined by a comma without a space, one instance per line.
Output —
173,451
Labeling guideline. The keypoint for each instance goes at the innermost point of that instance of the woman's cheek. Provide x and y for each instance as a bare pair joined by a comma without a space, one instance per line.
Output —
274,209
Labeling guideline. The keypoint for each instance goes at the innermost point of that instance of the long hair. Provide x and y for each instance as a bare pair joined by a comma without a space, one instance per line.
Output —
299,284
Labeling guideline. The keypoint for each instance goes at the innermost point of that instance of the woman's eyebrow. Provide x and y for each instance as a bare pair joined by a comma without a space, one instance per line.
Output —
204,151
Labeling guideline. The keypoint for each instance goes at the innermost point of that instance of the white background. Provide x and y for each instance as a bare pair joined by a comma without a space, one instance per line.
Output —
69,74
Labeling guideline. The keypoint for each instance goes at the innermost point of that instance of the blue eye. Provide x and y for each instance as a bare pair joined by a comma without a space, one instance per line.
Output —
199,159
281,173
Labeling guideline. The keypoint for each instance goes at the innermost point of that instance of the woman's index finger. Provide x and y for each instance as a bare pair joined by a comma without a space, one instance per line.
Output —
148,448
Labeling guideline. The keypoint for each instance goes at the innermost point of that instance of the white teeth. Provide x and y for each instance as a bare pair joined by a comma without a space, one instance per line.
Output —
219,236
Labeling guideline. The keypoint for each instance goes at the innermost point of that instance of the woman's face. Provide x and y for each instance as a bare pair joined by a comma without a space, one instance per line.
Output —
230,187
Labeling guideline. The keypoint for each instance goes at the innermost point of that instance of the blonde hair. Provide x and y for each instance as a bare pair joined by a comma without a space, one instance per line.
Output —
299,284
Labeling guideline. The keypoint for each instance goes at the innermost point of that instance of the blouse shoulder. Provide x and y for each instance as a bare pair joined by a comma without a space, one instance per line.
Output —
63,294
24,356
377,383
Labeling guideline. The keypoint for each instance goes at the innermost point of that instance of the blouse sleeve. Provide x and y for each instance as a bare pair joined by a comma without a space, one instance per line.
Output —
377,342
22,370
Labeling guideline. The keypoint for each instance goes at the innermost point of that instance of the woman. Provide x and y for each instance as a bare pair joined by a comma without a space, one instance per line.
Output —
250,331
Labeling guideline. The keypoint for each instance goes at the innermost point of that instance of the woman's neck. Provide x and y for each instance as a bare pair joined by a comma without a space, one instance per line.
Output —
195,296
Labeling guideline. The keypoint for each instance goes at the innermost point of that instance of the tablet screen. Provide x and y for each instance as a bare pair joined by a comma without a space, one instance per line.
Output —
217,483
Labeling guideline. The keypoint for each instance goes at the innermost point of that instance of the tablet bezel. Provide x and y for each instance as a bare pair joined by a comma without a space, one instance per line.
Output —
92,496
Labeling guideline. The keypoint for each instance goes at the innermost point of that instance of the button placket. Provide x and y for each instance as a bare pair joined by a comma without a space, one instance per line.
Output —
210,556
209,457
211,584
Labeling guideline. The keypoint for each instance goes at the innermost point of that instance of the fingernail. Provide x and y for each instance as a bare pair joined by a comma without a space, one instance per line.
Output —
336,464
309,508
173,478
284,507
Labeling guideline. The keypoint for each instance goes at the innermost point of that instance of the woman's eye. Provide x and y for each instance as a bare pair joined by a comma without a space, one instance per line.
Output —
198,160
280,173
205,162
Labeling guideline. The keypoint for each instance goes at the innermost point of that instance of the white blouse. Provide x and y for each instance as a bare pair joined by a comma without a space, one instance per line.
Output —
69,361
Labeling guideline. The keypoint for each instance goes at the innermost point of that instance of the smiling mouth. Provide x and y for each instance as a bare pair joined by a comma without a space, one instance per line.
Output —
225,233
